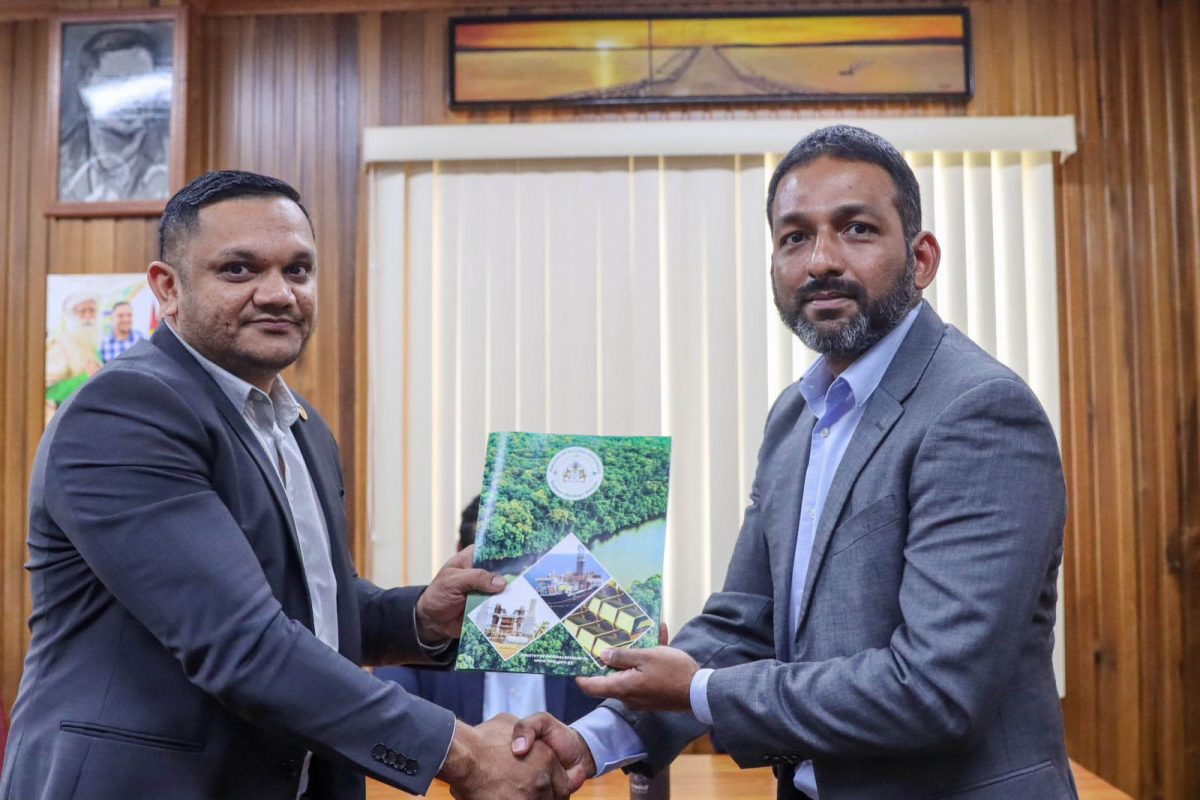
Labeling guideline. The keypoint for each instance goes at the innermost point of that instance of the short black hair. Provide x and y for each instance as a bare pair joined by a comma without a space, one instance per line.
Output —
111,40
848,143
182,211
468,523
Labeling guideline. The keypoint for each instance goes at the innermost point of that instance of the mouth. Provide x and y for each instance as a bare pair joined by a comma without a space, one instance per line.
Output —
828,300
274,325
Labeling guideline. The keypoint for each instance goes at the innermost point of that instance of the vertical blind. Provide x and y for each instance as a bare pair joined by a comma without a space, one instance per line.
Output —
631,295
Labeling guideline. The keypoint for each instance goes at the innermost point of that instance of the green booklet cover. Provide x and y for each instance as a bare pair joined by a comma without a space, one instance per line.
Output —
577,525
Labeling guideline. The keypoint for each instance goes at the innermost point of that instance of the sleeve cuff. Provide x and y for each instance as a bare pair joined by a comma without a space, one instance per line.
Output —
698,695
449,744
613,741
433,651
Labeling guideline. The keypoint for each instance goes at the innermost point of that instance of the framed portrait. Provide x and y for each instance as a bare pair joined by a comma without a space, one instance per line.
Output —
117,99
761,57
92,319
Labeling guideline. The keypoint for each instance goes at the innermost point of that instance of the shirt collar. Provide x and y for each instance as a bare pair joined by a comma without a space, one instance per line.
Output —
279,406
863,376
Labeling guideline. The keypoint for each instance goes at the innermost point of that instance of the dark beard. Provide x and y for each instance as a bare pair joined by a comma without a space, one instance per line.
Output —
856,335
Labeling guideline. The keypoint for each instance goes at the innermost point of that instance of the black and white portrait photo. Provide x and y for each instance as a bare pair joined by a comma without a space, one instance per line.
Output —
116,93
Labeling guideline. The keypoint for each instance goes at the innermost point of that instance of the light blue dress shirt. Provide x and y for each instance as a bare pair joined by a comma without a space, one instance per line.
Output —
837,403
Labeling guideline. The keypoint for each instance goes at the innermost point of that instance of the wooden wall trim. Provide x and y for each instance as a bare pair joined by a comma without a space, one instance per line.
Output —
277,7
19,10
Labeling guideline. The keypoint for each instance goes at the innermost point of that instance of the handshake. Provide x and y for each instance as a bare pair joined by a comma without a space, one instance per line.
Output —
537,757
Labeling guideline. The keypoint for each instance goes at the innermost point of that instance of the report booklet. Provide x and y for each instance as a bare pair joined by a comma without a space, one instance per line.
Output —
577,526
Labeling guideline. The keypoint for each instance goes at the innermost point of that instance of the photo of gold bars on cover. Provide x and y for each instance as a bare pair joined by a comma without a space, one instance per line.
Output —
609,619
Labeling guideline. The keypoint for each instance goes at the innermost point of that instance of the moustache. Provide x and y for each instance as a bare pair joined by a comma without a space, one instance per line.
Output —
841,286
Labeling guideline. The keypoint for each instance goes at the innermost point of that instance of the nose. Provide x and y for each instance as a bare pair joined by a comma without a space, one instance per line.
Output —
273,291
823,259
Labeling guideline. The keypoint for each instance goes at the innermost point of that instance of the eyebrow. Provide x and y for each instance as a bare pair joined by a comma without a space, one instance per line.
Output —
250,255
839,212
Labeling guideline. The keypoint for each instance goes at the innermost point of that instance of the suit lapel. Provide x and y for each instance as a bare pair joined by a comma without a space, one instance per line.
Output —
878,418
881,413
789,486
166,341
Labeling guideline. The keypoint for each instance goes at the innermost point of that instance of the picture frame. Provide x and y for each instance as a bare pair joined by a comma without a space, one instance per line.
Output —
117,107
901,54
91,319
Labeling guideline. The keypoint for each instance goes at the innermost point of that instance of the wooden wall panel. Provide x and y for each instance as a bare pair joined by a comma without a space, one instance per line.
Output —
33,246
283,99
22,277
1185,555
277,87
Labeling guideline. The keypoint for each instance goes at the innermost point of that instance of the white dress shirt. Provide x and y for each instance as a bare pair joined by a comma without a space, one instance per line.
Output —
270,418
513,693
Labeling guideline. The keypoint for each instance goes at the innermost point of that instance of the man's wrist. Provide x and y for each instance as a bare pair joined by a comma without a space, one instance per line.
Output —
430,640
587,761
610,741
460,759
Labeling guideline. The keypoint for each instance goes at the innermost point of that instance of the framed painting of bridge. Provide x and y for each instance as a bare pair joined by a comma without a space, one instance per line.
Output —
888,54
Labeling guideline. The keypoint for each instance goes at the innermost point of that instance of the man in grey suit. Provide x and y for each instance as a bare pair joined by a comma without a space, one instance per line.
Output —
198,623
887,620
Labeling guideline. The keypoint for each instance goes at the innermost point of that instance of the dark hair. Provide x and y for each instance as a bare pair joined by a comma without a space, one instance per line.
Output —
120,303
182,211
110,40
466,526
848,143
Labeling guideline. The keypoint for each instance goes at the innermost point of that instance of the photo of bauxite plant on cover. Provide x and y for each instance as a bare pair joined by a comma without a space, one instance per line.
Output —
677,59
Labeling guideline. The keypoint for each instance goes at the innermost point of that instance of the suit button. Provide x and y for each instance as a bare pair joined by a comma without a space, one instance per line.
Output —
398,761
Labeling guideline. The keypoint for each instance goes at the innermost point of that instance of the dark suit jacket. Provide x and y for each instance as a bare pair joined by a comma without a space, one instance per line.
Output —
921,662
172,653
462,692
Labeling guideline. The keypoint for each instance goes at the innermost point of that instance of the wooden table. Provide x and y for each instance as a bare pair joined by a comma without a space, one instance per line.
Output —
704,777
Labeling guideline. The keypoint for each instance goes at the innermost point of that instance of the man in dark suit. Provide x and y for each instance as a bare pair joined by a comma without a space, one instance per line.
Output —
477,696
887,620
197,621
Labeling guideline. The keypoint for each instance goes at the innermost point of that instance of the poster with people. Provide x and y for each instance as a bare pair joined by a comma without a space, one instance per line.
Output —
91,320
577,525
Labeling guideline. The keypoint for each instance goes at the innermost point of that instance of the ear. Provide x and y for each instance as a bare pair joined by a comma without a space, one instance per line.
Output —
164,282
928,255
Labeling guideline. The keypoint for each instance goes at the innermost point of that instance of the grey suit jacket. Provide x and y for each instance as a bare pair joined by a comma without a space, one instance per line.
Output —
171,652
921,664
